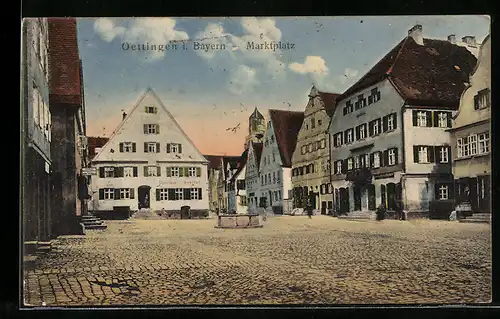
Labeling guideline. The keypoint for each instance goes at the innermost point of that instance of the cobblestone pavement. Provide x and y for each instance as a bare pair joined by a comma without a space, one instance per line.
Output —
290,260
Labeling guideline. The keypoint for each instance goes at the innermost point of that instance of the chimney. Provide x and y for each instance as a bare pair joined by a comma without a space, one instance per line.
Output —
416,34
452,39
124,115
470,40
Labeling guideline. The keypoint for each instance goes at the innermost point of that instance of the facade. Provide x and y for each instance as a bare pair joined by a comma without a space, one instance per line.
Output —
256,128
276,162
389,136
311,158
149,162
471,134
214,162
228,166
68,147
252,176
36,128
237,196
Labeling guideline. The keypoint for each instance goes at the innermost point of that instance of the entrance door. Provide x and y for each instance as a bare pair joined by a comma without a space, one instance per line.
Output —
144,196
364,199
371,197
323,208
330,207
270,198
391,196
357,198
344,200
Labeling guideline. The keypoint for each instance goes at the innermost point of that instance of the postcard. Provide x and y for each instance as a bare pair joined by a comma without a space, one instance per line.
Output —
256,161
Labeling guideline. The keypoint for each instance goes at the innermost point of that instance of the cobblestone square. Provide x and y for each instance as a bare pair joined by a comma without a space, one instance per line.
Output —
291,260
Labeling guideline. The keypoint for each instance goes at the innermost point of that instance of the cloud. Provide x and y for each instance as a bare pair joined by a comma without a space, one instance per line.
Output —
312,64
158,31
243,79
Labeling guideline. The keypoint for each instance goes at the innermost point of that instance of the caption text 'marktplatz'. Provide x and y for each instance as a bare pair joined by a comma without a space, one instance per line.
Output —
198,46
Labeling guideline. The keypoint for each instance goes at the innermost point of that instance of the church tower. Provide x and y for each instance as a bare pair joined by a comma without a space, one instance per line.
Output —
256,127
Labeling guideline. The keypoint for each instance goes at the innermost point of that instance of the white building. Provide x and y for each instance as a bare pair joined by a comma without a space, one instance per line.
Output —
149,162
252,176
276,161
237,195
388,135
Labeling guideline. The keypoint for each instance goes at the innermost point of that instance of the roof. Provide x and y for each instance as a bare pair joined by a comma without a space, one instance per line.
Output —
231,160
330,101
257,150
286,126
431,74
213,161
95,142
242,160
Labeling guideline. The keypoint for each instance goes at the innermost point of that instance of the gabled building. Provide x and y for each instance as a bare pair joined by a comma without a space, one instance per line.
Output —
471,136
276,162
149,162
311,158
228,166
252,176
237,196
214,163
389,134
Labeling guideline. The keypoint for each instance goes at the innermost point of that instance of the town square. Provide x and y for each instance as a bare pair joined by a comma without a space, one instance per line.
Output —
323,160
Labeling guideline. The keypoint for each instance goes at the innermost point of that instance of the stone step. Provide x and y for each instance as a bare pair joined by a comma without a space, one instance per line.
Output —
95,222
101,226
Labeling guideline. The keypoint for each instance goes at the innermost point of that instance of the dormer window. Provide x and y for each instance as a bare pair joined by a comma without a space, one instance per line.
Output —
482,99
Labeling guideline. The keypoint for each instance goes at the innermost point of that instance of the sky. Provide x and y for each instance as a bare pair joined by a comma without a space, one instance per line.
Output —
211,91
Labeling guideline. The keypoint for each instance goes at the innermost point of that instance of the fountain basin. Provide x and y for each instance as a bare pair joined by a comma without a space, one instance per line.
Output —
238,221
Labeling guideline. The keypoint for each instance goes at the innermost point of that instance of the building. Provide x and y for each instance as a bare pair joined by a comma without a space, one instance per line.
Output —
388,135
36,128
237,195
149,162
256,128
276,162
471,134
311,158
252,176
68,147
95,145
214,162
228,166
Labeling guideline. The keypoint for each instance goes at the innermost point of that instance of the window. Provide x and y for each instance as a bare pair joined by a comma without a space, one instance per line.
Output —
163,194
376,129
460,148
421,118
151,129
339,139
151,109
367,160
265,179
443,192
482,99
109,193
376,159
195,193
392,157
174,148
338,167
109,172
322,143
303,149
390,122
362,131
125,193
152,171
274,177
443,154
127,147
192,172
179,194
473,144
484,142
151,147
128,172
375,93
356,162
349,164
313,122
349,136
174,171
442,119
422,154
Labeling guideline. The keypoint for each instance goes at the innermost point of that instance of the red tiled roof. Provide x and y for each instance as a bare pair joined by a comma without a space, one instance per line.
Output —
64,61
257,150
330,101
94,142
286,126
241,163
431,74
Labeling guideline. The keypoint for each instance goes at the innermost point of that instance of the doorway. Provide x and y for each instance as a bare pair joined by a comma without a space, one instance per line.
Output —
323,208
344,200
144,196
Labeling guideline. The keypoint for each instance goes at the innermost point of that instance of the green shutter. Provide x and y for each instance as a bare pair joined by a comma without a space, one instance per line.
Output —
145,126
199,193
117,193
157,128
157,194
180,148
101,193
158,170
186,171
121,147
101,172
415,154
181,171
198,171
146,109
135,171
169,171
157,147
133,147
145,171
145,147
132,193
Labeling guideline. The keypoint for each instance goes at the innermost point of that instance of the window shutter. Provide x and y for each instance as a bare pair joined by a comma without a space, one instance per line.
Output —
448,119
101,172
187,193
155,110
146,109
133,147
157,147
116,193
157,194
415,154
428,114
370,128
476,102
132,195
157,128
395,120
121,171
158,170
198,171
180,148
356,134
449,154
101,193
199,193
135,171
171,194
345,137
344,166
386,157
145,147
435,116
121,147
430,153
181,171
414,116
169,171
371,159
335,140
145,126
396,161
116,172
186,171
145,171
437,153
384,124
436,191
